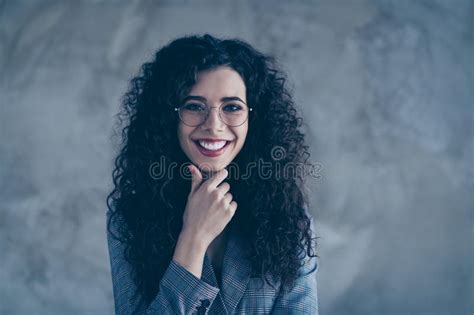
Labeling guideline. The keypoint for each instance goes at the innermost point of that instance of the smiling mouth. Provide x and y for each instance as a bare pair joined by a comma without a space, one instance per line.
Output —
210,151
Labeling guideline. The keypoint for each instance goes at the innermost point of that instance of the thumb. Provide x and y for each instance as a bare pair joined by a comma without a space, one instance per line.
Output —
196,177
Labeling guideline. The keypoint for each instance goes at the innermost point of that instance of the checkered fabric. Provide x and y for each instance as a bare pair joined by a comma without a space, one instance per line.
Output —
180,292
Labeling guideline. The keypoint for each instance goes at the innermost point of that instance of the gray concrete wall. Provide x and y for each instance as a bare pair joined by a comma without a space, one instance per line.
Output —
386,88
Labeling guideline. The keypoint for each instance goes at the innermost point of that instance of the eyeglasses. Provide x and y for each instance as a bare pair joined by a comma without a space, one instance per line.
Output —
194,114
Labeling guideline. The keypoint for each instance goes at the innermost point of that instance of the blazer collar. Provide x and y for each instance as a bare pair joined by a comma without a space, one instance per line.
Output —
236,270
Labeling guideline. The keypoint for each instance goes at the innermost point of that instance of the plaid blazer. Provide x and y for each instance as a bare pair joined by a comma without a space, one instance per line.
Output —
180,292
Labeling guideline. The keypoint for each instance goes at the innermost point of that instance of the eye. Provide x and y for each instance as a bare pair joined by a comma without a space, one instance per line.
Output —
232,108
195,107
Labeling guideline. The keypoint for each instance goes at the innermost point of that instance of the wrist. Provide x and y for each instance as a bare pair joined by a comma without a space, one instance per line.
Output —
192,240
189,253
189,249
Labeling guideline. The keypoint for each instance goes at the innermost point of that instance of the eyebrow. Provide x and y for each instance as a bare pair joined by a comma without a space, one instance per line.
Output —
203,99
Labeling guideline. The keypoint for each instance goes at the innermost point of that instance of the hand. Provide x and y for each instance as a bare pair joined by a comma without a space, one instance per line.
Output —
209,207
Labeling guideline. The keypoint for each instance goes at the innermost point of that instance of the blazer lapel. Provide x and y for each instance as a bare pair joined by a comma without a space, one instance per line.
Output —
235,271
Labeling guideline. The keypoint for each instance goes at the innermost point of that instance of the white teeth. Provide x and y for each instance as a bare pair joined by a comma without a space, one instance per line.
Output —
215,145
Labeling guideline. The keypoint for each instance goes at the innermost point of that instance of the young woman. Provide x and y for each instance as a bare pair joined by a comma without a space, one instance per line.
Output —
209,211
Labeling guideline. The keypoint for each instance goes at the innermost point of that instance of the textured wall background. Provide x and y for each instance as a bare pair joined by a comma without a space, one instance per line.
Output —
387,91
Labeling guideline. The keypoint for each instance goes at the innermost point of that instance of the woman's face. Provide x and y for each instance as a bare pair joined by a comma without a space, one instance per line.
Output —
220,86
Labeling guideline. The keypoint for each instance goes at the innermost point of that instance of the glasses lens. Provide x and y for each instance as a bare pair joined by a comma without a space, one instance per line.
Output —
192,114
234,115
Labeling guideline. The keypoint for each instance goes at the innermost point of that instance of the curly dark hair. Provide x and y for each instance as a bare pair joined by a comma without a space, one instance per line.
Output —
272,213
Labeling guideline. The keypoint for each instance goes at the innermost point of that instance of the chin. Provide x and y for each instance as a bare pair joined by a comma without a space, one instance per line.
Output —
212,167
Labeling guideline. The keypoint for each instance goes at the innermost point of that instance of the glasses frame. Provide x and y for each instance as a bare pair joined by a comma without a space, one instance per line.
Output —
176,109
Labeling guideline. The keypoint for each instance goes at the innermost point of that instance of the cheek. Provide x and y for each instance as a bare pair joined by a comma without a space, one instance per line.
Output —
242,134
182,136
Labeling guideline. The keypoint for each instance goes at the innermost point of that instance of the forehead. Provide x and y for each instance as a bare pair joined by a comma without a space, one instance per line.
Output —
217,83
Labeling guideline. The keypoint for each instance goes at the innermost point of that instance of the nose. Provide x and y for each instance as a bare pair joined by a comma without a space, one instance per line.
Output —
213,121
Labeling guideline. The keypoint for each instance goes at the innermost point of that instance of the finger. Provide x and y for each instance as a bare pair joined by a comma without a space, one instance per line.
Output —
217,178
224,187
233,205
196,177
228,198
